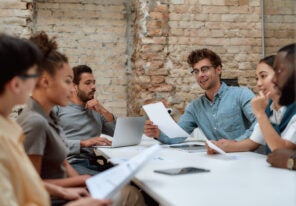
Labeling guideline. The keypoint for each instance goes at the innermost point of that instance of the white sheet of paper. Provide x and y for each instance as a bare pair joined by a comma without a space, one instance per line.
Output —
106,184
158,114
215,147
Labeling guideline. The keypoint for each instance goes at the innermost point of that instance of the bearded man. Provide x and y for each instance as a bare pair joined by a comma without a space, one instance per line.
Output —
83,121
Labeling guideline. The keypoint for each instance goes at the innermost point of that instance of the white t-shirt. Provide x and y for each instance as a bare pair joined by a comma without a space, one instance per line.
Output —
289,132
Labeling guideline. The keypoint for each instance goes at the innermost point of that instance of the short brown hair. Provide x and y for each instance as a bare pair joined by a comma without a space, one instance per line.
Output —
78,70
200,54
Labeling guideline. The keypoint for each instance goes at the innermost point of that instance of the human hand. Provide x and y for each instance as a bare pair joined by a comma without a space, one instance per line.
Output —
89,201
210,151
225,144
93,104
279,157
260,103
151,130
73,193
95,141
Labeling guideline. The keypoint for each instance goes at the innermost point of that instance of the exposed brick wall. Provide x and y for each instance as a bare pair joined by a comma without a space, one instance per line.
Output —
169,31
279,24
150,55
16,17
138,48
94,33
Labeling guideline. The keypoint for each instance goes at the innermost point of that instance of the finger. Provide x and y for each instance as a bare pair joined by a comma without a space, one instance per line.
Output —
151,127
149,122
268,95
84,193
102,143
108,143
269,158
261,94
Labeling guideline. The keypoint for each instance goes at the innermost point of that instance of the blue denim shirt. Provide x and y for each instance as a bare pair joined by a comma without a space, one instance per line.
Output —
229,116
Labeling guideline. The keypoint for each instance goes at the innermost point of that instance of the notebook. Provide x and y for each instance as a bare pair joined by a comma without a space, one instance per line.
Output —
128,131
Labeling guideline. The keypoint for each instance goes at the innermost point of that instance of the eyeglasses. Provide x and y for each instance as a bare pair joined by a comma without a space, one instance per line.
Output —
29,76
203,70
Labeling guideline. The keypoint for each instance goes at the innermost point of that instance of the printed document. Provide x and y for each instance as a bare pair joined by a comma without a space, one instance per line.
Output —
106,184
158,114
210,144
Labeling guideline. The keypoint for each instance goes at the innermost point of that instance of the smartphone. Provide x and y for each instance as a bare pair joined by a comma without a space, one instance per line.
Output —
190,147
180,171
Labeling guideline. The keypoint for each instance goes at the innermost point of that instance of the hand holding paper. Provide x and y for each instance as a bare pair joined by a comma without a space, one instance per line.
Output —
104,185
158,114
215,147
209,143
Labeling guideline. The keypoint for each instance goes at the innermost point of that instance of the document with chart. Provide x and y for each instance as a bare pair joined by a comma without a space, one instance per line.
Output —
158,114
106,184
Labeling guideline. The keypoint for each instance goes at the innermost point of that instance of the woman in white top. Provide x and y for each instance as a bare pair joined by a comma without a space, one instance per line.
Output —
276,126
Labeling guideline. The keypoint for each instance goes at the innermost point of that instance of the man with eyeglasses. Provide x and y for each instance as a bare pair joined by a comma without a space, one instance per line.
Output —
284,79
223,112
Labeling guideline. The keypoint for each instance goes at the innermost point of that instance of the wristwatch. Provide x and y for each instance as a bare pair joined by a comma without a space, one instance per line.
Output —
291,162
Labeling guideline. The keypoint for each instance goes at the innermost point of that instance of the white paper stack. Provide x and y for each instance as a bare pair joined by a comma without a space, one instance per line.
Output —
106,184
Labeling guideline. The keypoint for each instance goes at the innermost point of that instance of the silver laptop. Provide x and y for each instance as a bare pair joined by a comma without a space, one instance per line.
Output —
128,131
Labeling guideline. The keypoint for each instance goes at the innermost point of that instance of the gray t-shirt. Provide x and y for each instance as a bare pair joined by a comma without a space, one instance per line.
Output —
80,123
44,137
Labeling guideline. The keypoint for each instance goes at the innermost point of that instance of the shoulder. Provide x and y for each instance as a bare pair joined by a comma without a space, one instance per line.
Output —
240,92
240,89
31,119
292,121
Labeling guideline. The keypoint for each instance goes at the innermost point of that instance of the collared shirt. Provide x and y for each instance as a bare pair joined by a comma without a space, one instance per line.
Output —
229,116
44,137
289,133
80,123
19,182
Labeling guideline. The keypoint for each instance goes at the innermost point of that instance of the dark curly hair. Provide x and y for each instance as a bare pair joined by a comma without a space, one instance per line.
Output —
52,58
200,54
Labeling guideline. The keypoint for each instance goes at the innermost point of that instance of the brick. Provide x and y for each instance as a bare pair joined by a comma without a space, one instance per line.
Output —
13,5
162,88
154,40
157,79
14,21
161,8
157,72
215,9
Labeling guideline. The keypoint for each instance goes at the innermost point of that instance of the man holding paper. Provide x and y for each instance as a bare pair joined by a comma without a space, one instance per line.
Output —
223,112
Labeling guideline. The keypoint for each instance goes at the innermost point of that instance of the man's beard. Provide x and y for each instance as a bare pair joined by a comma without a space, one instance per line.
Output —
83,96
288,92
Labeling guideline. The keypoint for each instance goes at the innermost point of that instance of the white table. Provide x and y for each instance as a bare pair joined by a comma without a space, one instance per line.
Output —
247,180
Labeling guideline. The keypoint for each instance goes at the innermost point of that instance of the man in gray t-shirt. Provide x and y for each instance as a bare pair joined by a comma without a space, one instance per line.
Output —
83,121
